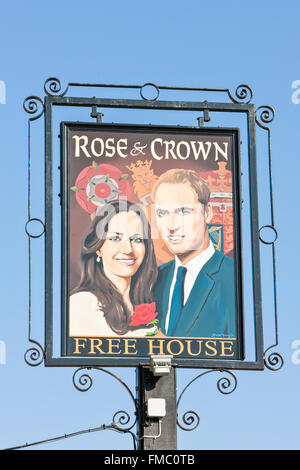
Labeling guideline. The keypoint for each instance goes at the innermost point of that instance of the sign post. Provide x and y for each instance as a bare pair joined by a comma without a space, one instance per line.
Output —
158,409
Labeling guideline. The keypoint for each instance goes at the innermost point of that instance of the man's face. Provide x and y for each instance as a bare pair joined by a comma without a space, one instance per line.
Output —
182,220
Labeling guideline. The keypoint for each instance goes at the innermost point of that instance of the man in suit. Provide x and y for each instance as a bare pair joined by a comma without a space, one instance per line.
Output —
195,292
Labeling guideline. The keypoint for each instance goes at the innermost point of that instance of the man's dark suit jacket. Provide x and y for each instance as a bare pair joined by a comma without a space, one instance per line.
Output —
210,308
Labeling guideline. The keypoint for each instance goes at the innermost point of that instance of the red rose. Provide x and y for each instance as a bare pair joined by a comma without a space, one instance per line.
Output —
97,185
143,314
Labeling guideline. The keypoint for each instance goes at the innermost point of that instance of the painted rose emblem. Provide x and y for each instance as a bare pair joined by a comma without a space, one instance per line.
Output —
97,185
145,315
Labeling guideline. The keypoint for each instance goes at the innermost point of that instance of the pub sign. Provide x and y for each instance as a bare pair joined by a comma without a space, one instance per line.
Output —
151,243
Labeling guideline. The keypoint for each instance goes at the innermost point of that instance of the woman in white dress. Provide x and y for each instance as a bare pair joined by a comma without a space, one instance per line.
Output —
118,275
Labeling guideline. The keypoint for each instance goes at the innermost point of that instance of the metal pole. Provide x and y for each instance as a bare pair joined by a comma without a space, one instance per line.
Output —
157,433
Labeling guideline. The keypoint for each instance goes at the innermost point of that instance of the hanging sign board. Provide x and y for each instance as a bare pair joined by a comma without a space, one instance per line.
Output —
151,243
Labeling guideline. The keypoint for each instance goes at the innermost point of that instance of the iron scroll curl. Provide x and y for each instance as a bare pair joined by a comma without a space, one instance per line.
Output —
190,420
264,115
273,360
52,87
225,385
243,94
33,105
34,356
83,381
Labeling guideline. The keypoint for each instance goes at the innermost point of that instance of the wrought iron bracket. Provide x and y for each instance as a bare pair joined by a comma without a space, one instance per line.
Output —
225,385
205,118
121,420
272,360
190,420
96,114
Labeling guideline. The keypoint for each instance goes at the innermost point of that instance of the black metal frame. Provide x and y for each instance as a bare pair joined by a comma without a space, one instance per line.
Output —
239,104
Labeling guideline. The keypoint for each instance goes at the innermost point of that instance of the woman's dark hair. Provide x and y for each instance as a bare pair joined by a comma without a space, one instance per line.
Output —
94,280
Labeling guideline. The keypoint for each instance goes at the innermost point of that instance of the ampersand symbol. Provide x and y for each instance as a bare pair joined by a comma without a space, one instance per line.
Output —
138,149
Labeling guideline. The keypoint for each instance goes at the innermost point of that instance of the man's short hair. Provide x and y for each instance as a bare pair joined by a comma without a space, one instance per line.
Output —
181,176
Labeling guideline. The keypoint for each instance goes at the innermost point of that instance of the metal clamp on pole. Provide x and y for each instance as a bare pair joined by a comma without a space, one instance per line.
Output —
205,118
160,365
96,114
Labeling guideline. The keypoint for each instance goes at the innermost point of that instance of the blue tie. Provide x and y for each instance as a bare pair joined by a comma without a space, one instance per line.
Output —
177,300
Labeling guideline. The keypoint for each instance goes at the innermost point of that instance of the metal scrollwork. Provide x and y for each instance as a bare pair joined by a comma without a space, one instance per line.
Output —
264,115
121,418
273,361
33,105
225,385
191,419
52,87
83,382
243,93
34,356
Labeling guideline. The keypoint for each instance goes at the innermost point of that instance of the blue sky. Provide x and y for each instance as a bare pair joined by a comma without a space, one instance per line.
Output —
191,43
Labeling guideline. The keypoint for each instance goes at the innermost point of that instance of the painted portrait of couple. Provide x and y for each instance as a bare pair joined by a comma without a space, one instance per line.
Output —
125,290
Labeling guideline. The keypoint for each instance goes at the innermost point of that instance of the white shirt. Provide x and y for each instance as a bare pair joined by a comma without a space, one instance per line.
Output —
193,269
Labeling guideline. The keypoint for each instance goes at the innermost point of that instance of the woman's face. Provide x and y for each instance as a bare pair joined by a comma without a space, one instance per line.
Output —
123,250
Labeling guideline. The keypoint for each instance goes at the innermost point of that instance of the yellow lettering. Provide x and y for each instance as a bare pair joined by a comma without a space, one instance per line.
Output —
189,349
181,347
94,346
223,348
78,345
211,348
111,345
128,346
160,346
